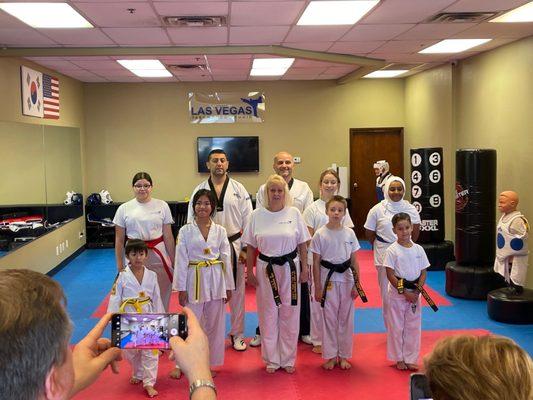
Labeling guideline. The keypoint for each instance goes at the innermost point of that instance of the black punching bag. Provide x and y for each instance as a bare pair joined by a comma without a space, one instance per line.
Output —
472,276
475,206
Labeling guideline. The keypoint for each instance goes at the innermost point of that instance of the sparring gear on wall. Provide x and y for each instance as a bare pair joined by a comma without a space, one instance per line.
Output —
105,197
94,199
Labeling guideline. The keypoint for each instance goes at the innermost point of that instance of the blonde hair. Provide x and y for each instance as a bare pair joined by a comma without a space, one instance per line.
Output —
479,368
276,179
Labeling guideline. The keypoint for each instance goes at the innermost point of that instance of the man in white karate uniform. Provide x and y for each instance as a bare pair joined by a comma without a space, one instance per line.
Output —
234,208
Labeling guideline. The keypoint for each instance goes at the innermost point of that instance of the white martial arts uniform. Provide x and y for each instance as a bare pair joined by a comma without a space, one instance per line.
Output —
302,195
315,217
511,248
145,221
379,220
336,246
404,326
205,286
275,234
143,362
234,216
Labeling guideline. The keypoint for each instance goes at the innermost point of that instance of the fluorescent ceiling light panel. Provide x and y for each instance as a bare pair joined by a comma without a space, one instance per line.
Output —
336,12
270,66
453,46
521,14
389,73
46,15
146,68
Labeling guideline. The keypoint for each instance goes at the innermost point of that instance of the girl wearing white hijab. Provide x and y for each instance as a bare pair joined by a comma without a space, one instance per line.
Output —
378,228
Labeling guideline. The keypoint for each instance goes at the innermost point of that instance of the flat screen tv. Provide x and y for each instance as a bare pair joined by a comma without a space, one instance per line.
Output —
242,151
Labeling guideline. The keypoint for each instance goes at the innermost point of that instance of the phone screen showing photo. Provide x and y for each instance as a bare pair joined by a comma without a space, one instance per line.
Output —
146,331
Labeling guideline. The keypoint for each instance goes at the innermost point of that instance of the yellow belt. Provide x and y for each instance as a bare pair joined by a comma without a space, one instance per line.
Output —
136,303
198,265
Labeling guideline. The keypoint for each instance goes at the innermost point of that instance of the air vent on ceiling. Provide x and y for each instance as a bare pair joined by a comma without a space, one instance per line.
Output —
462,17
194,21
202,67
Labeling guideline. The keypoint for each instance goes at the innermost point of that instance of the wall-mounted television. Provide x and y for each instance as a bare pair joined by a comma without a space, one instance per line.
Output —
242,151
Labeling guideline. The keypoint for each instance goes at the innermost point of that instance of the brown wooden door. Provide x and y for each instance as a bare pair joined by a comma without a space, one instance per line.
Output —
368,145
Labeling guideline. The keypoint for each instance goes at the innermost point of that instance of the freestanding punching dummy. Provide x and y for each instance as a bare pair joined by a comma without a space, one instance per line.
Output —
512,304
472,275
427,195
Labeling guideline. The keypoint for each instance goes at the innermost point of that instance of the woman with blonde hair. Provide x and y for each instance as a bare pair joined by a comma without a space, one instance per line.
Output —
279,232
479,368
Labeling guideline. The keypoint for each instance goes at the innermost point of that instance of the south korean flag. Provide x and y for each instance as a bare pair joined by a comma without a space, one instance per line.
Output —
32,92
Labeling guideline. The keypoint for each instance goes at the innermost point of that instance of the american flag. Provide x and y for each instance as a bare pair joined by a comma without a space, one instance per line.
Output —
51,97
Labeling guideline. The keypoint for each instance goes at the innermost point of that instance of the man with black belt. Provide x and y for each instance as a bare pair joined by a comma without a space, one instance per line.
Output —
302,197
234,208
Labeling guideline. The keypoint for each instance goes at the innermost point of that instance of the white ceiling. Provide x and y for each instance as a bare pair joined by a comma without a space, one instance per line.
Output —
393,31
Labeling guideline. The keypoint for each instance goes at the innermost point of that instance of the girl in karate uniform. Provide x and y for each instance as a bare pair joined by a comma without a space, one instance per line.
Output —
315,217
278,231
336,245
150,220
405,261
379,230
135,283
204,274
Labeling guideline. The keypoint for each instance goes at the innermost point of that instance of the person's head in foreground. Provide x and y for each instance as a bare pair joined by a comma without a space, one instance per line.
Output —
479,368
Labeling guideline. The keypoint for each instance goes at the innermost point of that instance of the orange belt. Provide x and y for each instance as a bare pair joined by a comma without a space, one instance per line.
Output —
151,245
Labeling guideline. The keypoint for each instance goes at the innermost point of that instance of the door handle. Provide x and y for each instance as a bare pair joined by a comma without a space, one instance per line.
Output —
355,185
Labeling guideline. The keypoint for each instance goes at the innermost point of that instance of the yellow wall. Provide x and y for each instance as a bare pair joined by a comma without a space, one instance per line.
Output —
132,127
41,255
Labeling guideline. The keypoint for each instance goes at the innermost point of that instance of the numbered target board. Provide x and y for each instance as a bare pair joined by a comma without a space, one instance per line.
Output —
427,192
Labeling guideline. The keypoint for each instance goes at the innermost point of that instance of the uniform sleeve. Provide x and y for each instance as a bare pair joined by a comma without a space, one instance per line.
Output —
190,207
424,262
115,299
309,217
355,243
119,217
167,215
181,262
390,258
315,246
302,231
259,201
308,197
415,216
518,226
156,298
372,219
348,220
245,207
225,256
248,236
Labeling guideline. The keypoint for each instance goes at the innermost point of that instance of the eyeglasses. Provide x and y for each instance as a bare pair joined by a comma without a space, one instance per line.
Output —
139,187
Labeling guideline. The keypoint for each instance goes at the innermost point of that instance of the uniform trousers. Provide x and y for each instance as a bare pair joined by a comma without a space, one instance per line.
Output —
144,365
338,321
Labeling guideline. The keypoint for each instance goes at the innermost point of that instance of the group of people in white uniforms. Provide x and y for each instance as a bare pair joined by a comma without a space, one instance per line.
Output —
145,335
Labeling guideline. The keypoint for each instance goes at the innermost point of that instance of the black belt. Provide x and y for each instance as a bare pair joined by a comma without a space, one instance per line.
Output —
286,258
340,268
380,239
405,284
234,258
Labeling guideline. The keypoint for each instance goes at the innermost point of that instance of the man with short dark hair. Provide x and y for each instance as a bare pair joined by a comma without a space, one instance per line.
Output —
35,359
234,208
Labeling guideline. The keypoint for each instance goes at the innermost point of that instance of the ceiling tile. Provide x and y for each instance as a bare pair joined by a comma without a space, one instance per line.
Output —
8,21
375,32
434,31
304,63
230,71
78,37
316,33
405,46
229,63
126,79
198,36
306,71
484,5
341,70
299,77
164,79
84,76
408,58
114,15
24,37
192,59
88,58
228,57
405,11
195,78
58,64
112,73
98,64
355,47
138,36
194,8
270,35
488,30
264,78
231,78
265,13
313,46
329,76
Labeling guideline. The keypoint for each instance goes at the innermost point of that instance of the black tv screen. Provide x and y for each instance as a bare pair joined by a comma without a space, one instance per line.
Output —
242,151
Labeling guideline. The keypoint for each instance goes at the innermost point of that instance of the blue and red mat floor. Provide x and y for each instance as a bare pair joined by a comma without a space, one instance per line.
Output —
88,278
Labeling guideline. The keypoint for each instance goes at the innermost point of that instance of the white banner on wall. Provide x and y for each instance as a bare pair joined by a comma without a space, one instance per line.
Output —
226,107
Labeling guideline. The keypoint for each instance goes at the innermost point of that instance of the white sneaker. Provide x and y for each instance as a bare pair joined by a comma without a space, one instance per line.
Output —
256,341
306,339
238,343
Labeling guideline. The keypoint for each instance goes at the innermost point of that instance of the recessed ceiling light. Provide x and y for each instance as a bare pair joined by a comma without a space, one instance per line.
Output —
146,68
389,73
453,45
46,15
521,14
335,12
270,66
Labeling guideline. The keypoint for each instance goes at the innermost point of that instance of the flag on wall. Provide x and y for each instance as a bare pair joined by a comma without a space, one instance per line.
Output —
51,97
32,92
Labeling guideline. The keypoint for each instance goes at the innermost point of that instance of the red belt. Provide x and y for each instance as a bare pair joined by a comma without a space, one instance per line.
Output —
151,245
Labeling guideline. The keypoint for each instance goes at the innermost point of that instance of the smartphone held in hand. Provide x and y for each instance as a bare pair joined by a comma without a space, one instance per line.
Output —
146,330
